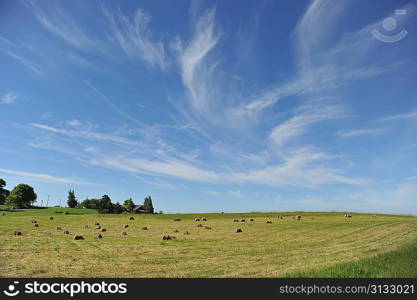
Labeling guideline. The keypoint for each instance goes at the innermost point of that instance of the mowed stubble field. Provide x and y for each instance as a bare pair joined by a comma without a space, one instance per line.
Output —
320,244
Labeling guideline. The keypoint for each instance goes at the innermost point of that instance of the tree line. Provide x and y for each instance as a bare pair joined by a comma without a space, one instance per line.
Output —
105,204
24,196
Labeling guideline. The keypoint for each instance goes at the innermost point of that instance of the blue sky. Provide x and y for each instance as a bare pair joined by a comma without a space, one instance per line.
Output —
212,105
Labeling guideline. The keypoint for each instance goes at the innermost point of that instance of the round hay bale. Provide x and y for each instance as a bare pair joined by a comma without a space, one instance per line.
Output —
197,219
239,230
204,219
186,232
97,224
144,228
51,218
166,238
36,225
66,232
98,227
177,219
235,220
200,225
125,226
34,221
251,220
207,227
66,213
103,229
124,233
17,233
268,222
78,237
243,220
131,218
99,236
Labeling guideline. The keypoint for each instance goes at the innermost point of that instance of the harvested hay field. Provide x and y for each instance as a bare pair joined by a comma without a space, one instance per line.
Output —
317,244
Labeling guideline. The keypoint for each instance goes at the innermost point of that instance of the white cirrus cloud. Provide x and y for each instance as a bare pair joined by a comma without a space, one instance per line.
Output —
42,177
9,97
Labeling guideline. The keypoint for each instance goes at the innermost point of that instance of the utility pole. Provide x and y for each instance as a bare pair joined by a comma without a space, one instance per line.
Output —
47,203
41,202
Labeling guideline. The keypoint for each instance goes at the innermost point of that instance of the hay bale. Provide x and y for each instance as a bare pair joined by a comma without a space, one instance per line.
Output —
200,225
66,213
207,227
99,236
98,227
131,218
36,225
17,233
51,218
66,232
204,219
124,233
97,224
235,220
144,228
58,228
125,226
298,218
251,220
78,237
34,221
103,229
268,222
239,230
243,220
197,219
186,232
177,219
166,238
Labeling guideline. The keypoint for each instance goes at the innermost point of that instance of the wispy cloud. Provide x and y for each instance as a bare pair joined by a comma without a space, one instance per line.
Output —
88,135
303,168
169,167
405,116
9,97
196,69
27,63
360,132
56,21
135,38
74,123
42,177
301,122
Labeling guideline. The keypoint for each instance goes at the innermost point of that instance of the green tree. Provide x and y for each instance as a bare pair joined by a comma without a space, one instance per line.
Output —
129,205
22,196
72,200
117,208
104,205
3,192
147,205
